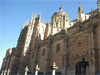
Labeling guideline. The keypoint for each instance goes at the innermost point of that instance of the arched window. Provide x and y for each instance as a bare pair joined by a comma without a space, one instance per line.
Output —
58,48
43,52
80,44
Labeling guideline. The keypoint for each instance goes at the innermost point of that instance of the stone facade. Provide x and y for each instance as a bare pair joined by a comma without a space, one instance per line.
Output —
62,42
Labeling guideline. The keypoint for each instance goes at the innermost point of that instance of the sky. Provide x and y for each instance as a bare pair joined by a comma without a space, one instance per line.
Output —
13,13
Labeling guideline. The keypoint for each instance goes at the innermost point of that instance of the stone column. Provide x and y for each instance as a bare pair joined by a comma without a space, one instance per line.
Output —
36,70
91,54
8,71
54,67
36,48
91,47
26,70
5,72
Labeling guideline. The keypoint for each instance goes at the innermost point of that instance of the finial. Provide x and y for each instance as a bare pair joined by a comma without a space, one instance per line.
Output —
80,4
66,15
40,13
23,25
54,64
80,7
54,67
37,68
35,14
32,14
27,22
61,8
26,69
31,18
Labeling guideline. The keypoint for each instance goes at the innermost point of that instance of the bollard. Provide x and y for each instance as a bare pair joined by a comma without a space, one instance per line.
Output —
8,71
2,73
5,72
26,70
54,67
36,70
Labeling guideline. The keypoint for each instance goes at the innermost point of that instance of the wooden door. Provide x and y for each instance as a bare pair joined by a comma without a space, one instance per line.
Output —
78,69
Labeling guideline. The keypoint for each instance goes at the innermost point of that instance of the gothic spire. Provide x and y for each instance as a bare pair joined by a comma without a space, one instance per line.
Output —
39,15
80,7
31,18
23,25
27,22
35,15
32,15
66,15
80,12
98,5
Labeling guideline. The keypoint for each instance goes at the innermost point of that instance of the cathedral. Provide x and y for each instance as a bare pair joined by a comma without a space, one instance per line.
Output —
62,41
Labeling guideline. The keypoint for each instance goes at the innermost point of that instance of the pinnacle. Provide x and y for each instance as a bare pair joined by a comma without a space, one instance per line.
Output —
27,22
32,14
35,14
80,7
40,13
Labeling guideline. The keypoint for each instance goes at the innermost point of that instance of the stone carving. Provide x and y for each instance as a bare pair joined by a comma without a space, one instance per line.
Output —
54,67
8,72
36,70
26,70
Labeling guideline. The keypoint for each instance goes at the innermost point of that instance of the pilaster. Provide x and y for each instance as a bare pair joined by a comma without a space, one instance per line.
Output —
91,49
47,59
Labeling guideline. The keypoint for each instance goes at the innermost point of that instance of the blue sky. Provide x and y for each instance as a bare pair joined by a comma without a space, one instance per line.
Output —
13,13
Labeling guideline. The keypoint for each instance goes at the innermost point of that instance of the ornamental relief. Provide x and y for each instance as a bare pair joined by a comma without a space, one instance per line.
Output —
77,56
79,43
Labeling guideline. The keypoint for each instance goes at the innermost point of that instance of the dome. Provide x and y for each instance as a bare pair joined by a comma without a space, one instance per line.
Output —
60,13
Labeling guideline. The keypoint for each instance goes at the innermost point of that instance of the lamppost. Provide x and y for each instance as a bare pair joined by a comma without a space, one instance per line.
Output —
83,64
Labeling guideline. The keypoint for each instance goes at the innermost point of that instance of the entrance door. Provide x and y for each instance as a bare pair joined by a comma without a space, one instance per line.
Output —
78,69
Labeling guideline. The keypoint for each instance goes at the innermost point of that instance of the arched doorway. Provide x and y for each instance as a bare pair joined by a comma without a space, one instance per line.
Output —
77,69
80,67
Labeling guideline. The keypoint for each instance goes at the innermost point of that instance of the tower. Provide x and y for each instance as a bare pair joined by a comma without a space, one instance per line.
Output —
98,5
59,20
39,15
